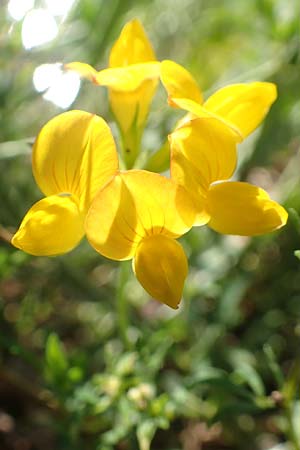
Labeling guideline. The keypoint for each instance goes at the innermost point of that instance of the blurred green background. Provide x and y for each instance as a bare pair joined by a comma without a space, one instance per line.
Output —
222,372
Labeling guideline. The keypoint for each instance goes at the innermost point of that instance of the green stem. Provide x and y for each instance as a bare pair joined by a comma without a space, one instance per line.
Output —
293,437
131,147
289,391
122,305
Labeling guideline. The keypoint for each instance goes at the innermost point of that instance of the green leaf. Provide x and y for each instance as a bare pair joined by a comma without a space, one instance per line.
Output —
56,361
160,160
296,420
273,365
294,219
145,433
248,374
291,384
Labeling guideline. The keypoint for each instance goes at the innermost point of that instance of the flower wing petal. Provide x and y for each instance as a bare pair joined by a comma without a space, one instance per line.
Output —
179,83
161,267
83,69
243,209
202,151
198,111
74,153
134,205
243,105
129,78
132,46
52,226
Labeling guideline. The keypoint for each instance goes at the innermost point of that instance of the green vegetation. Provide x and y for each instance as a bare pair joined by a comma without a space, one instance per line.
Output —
80,371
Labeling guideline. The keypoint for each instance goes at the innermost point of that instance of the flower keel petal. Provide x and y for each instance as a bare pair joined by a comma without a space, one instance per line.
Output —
161,267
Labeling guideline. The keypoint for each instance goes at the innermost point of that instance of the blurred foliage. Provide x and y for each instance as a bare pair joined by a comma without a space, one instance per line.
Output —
223,372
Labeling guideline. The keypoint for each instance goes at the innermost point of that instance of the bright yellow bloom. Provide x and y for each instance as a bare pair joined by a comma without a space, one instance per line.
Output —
203,158
138,215
132,79
74,155
240,106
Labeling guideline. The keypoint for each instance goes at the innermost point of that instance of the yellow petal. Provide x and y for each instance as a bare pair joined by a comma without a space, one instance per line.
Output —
243,209
202,151
133,205
198,111
74,153
131,110
132,46
179,83
52,226
129,78
161,267
243,105
83,69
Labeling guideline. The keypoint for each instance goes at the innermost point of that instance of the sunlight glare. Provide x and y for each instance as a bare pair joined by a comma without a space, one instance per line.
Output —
61,87
18,8
59,7
39,27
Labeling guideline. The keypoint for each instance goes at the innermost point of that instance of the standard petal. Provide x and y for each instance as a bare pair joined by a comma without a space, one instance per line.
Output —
243,209
243,105
202,151
179,83
133,205
52,226
83,69
161,267
132,46
129,78
74,153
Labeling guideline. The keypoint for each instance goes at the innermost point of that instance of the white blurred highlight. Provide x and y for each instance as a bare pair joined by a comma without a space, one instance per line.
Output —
18,8
61,87
59,7
39,27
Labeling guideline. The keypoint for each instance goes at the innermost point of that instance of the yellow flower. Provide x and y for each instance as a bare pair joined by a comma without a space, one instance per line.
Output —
73,156
132,79
240,106
203,158
138,215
